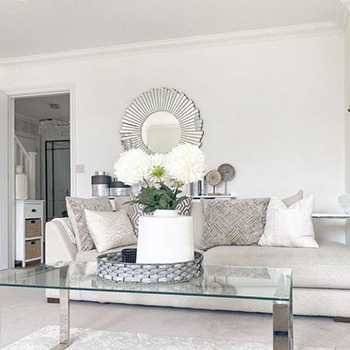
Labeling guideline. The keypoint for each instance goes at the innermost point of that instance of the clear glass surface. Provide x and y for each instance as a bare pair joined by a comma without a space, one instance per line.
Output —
217,281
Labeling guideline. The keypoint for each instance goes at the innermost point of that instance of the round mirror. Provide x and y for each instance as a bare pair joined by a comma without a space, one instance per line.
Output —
161,132
159,120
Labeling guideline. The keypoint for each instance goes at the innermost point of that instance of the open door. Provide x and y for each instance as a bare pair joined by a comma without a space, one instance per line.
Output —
4,181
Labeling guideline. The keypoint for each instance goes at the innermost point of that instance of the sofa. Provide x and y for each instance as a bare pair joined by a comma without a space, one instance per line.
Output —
321,277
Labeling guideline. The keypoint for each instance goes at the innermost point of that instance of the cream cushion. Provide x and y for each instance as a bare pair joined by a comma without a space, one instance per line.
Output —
326,267
109,229
289,226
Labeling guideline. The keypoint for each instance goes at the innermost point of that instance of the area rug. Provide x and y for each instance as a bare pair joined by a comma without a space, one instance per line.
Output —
90,339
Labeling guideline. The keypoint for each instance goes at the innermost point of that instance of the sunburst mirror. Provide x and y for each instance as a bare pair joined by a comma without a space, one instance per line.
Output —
159,120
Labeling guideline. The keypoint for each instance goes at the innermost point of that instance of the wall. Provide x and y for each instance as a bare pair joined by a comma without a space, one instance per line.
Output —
273,109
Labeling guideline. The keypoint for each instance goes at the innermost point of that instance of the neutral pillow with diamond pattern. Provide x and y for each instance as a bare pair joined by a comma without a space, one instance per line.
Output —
76,213
233,222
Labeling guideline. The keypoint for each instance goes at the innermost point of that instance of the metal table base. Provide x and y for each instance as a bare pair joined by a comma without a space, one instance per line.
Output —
282,323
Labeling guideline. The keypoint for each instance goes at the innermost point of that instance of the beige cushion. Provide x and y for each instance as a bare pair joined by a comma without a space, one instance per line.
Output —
326,267
109,229
233,222
75,208
293,199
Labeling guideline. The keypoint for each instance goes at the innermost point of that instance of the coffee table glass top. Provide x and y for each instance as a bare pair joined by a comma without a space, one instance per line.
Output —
217,281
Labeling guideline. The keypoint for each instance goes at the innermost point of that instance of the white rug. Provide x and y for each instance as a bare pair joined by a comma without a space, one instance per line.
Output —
90,339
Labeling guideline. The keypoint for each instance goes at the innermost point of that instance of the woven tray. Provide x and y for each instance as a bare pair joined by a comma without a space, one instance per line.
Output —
112,268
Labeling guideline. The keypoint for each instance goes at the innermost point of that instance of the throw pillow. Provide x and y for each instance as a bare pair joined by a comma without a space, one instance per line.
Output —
109,229
233,222
293,199
75,208
136,210
289,227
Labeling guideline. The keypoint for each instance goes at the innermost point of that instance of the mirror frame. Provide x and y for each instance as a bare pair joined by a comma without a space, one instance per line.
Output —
156,100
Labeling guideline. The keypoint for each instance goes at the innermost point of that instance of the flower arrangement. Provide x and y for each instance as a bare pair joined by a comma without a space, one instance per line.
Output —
162,175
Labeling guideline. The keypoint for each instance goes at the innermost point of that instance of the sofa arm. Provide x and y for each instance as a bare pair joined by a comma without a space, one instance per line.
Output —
58,246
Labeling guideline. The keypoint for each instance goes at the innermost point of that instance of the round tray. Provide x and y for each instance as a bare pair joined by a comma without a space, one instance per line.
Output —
112,268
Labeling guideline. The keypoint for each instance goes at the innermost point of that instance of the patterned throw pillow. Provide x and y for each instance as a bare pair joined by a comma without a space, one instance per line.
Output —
110,229
75,208
233,222
136,210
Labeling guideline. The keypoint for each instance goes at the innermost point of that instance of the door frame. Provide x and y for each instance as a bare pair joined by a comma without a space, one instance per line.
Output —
32,91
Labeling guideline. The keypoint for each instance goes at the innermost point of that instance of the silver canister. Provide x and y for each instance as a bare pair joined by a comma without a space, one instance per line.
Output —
100,183
119,189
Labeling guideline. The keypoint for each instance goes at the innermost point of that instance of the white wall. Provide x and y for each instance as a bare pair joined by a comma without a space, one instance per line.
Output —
273,109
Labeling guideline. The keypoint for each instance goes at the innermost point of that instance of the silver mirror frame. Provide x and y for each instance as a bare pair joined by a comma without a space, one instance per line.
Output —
156,100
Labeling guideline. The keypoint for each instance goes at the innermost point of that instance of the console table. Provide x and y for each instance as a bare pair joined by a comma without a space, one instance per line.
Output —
330,216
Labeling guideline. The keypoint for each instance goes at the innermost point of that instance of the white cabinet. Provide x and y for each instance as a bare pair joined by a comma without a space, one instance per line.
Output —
29,231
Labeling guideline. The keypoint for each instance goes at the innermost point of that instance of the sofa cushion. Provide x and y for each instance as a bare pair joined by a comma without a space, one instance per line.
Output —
326,267
233,222
110,229
289,227
75,208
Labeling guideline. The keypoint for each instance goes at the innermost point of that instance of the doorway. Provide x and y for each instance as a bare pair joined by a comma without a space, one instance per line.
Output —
43,168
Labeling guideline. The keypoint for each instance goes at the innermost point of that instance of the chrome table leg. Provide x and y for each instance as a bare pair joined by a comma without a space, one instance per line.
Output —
283,324
64,321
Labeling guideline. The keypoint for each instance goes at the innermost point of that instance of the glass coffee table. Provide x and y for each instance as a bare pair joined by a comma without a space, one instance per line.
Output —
265,284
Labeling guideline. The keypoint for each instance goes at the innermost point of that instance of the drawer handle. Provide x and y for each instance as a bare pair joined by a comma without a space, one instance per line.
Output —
33,210
33,222
32,242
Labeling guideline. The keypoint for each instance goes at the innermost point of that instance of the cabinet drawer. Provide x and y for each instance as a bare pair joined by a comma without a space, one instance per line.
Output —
33,249
33,211
32,228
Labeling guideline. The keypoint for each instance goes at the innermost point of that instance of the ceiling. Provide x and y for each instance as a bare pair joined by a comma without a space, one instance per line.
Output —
33,27
39,107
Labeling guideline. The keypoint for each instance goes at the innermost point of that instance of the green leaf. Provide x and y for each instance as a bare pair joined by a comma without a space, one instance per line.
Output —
163,203
149,209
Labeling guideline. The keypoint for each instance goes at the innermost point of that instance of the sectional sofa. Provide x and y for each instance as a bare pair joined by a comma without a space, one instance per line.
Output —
321,276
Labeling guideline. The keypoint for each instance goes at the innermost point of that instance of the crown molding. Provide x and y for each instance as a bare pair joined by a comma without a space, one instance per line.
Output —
280,33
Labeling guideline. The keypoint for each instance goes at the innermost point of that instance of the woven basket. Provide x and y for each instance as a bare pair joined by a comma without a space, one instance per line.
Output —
112,268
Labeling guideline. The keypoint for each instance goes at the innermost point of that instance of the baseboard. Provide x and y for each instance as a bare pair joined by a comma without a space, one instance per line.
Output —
53,300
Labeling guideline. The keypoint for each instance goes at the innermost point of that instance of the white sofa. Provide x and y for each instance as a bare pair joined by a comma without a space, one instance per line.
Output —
321,276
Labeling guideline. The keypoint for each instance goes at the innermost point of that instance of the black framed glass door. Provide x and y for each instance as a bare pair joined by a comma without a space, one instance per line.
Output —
57,177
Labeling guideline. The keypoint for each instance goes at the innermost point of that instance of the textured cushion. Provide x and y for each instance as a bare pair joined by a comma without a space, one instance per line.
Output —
289,227
136,210
75,208
326,267
109,229
233,222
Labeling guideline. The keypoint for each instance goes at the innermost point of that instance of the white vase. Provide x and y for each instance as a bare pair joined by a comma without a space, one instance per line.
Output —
166,237
21,183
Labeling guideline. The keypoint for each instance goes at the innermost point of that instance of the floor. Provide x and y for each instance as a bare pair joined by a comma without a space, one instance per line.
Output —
24,311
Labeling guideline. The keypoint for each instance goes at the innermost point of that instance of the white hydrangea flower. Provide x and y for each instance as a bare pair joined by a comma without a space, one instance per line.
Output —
133,166
185,163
